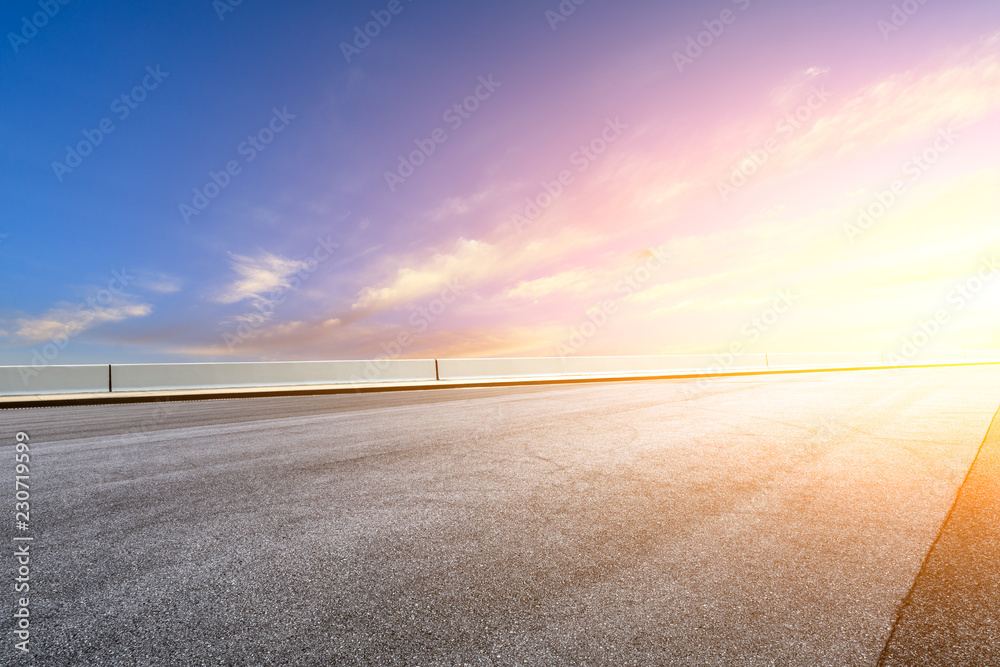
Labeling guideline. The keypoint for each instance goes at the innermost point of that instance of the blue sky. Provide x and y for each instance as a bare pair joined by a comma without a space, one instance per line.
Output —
104,260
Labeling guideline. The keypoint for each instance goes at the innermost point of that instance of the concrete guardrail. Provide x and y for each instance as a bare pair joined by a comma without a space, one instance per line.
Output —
924,357
824,359
482,369
149,377
28,380
982,356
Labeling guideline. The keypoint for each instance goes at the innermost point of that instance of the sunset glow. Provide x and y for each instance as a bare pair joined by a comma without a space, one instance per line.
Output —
493,181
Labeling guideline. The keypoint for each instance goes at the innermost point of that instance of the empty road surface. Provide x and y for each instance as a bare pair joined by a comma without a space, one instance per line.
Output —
807,519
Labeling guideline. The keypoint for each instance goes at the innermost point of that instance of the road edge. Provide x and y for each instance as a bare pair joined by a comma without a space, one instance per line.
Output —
112,398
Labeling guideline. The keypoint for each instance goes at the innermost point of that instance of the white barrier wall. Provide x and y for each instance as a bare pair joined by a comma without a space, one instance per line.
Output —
923,357
528,367
982,356
148,377
27,380
824,359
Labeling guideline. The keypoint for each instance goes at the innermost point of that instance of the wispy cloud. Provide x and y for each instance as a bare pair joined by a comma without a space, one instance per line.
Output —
469,261
70,320
576,280
259,276
956,89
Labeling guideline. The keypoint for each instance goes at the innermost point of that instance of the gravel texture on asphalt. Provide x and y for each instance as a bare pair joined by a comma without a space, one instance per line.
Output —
754,521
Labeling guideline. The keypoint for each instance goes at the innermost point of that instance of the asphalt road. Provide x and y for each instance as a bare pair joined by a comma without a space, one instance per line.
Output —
785,520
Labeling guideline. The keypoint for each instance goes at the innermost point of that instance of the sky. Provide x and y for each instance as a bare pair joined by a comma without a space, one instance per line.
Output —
261,180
